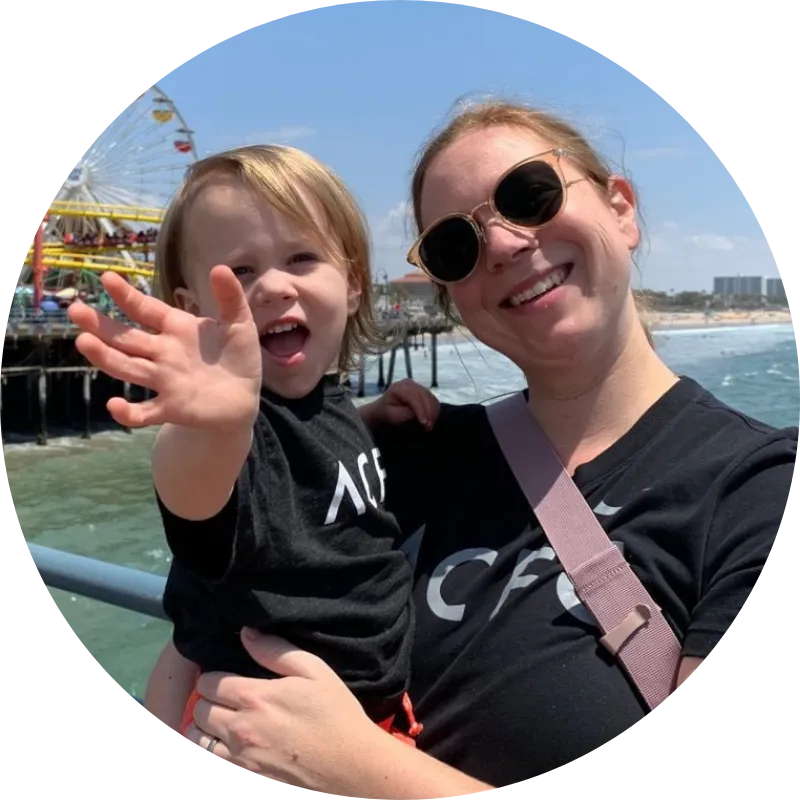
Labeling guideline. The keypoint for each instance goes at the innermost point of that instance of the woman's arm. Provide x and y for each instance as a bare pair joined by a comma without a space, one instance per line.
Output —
308,730
388,768
171,682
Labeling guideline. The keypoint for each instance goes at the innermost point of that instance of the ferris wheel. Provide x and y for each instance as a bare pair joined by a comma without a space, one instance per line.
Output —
107,212
137,162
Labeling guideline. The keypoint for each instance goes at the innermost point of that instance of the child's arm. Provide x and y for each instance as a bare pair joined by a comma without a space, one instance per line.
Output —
194,471
170,685
401,402
207,376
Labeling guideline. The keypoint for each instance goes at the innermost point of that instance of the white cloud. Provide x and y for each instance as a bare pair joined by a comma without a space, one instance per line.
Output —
711,241
392,235
671,225
394,228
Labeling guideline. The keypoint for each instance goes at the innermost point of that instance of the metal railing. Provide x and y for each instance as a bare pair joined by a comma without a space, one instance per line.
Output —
120,586
26,319
124,587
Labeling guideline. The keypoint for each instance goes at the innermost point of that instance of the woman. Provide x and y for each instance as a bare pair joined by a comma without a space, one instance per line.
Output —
531,238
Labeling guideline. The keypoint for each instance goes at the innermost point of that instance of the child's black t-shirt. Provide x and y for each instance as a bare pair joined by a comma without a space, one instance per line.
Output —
304,550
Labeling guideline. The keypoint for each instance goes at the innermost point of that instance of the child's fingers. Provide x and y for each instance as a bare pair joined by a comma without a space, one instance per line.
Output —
136,415
415,398
115,363
130,340
229,295
423,403
147,311
426,400
431,405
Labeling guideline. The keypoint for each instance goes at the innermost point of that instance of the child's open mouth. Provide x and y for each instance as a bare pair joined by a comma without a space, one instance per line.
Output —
284,341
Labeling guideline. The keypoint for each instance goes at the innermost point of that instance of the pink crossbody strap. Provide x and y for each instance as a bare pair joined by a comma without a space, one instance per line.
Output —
634,628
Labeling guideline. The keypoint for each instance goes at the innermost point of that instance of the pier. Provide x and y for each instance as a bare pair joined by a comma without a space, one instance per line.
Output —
47,385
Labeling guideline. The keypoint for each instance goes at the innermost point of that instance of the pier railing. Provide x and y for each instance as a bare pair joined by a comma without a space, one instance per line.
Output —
26,320
124,587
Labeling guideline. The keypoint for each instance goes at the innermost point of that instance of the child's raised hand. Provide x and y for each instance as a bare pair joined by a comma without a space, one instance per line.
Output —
206,372
401,402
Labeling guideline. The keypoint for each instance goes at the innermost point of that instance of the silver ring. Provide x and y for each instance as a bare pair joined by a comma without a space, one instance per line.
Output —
215,740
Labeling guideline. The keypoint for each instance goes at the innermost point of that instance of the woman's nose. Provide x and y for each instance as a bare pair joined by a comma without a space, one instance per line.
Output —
504,245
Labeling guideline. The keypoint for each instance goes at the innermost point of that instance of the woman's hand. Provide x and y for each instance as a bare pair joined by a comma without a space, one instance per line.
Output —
306,729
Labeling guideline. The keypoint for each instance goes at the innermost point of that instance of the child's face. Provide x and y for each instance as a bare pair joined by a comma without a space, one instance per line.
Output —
300,300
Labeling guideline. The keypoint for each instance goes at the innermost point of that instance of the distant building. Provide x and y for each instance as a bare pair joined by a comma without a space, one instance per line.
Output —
739,285
775,290
414,286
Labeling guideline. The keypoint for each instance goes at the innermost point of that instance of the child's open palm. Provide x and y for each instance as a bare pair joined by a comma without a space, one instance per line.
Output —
206,372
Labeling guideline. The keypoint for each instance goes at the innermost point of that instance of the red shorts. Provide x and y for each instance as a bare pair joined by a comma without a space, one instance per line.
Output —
388,725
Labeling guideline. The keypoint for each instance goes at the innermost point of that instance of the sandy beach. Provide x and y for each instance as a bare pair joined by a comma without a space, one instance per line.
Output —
664,321
660,321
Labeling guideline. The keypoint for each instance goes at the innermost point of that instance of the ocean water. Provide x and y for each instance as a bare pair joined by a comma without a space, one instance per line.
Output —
95,498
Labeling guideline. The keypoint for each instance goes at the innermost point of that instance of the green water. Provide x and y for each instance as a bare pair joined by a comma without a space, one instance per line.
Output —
93,498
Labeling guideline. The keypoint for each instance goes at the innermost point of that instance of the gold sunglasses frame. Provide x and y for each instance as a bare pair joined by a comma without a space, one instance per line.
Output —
413,256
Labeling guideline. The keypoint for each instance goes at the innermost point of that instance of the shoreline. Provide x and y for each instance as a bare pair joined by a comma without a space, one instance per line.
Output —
661,322
664,322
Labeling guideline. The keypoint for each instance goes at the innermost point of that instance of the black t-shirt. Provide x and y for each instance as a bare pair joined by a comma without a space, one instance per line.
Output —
303,549
508,676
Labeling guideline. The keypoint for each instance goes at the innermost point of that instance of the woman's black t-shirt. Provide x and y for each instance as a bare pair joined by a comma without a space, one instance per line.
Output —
508,677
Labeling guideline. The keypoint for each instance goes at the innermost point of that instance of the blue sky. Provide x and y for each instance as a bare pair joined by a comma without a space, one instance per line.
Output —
361,86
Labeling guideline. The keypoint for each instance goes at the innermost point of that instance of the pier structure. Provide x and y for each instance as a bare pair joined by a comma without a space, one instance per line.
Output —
46,384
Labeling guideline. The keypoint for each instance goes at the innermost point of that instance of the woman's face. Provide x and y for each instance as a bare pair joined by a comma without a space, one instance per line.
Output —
587,245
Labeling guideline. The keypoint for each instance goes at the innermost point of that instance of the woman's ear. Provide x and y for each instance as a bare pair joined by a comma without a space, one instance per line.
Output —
622,201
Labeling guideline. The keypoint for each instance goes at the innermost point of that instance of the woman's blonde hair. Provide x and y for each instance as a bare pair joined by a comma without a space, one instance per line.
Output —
300,188
498,113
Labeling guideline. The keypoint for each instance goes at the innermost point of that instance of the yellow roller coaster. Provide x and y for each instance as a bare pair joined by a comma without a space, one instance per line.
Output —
115,213
85,255
92,263
62,255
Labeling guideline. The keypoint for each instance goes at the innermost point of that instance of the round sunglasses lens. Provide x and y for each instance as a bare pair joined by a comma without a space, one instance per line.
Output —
531,194
450,250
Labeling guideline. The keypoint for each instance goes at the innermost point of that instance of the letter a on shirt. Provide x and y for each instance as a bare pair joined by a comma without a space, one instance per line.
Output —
344,483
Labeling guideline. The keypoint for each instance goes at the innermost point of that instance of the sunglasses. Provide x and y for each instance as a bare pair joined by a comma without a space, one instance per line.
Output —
526,196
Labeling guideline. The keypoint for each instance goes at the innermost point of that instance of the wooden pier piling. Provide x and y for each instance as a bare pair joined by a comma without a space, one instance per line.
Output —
126,394
41,436
381,379
87,403
434,377
38,351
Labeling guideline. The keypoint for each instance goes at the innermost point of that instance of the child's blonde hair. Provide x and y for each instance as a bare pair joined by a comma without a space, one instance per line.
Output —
299,187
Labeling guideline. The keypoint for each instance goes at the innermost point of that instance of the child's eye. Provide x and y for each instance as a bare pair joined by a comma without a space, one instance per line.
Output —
298,258
240,272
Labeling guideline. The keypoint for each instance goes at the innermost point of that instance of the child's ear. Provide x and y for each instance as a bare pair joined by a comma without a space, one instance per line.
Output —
353,297
185,300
